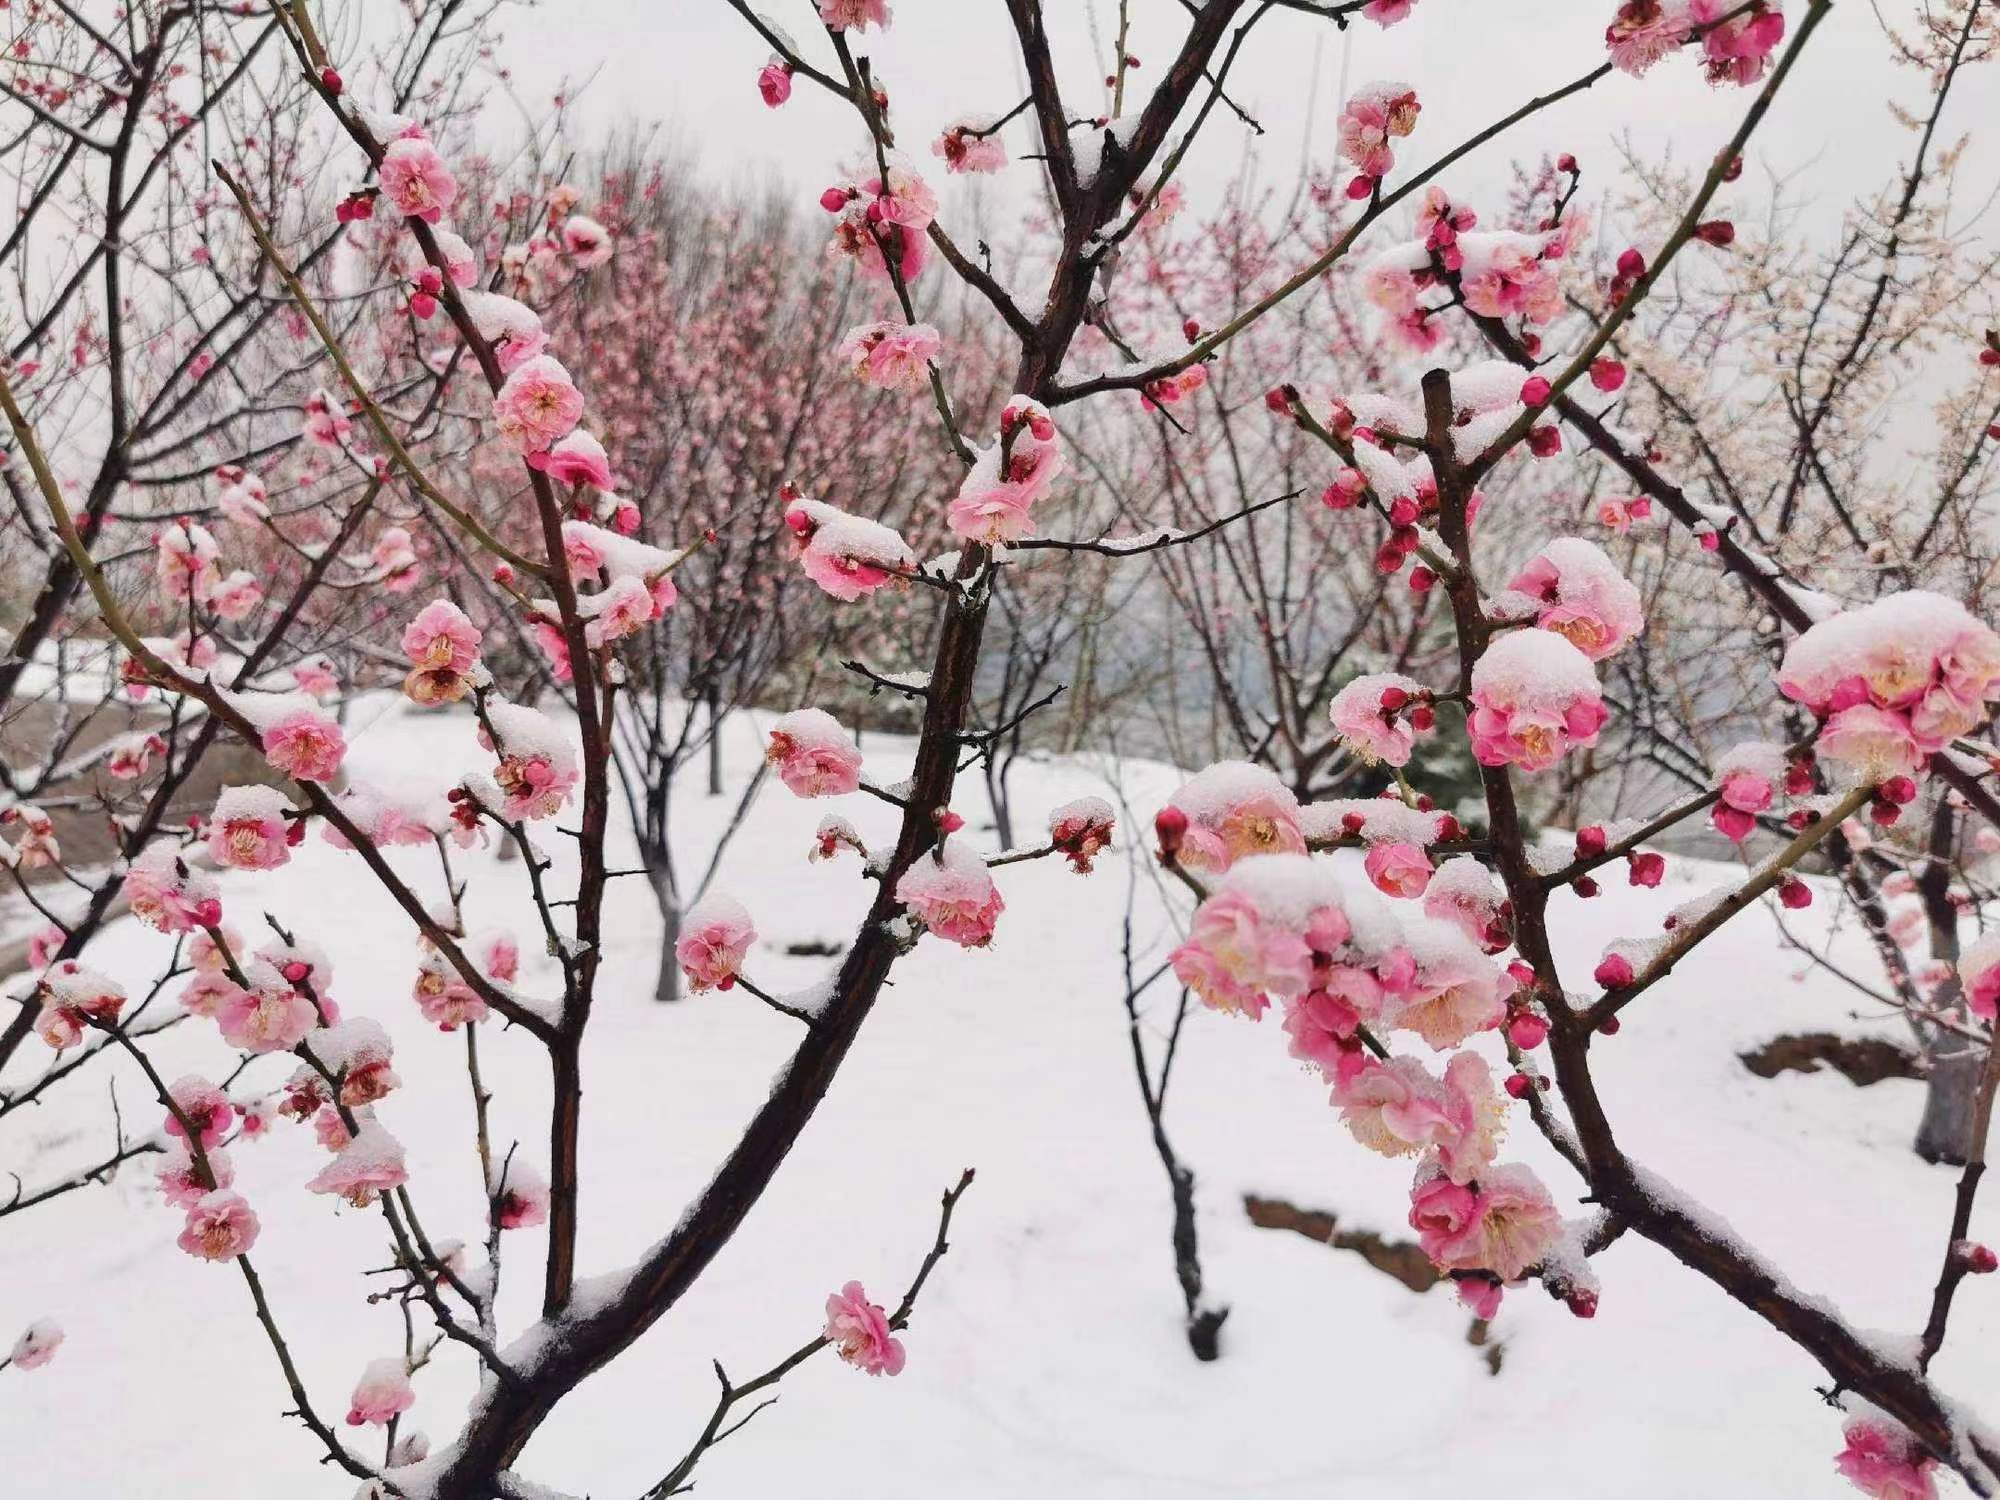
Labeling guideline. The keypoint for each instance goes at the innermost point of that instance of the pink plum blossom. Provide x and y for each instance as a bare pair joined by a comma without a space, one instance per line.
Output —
1534,696
306,744
1884,1461
891,356
168,894
716,934
858,1330
367,1166
1504,1223
538,405
578,458
970,146
813,755
220,1226
1398,869
202,1105
953,895
1233,956
1381,715
443,648
249,829
383,1392
521,1199
1579,593
270,1017
416,180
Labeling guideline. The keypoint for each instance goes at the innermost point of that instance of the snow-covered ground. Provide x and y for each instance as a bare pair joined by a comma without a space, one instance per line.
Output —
1046,1357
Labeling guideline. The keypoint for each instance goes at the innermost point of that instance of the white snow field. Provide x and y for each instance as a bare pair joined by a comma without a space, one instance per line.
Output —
1046,1357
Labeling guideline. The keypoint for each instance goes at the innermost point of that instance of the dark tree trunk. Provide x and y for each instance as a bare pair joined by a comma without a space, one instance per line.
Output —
1945,1132
667,985
714,742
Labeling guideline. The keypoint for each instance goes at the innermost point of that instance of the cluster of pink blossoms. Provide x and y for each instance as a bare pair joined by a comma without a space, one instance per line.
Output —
880,222
1534,697
1572,588
187,569
1282,926
997,497
848,556
1737,39
891,356
1381,715
1893,683
1372,117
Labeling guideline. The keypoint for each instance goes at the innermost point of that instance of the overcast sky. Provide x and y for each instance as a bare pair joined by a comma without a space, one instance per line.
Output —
690,65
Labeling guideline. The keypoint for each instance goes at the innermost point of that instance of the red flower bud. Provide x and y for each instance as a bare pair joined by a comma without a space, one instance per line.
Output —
1614,971
1584,886
1898,789
1645,868
834,199
1421,579
1519,1085
1527,1030
1534,391
1545,442
1590,842
1795,894
1170,824
331,79
1566,163
1631,265
1607,374
1718,232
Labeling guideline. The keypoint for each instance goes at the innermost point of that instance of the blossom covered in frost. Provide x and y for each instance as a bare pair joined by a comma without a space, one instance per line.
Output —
1397,869
538,765
848,556
1883,1460
892,356
73,997
382,1392
203,1106
443,648
37,1344
169,894
443,997
812,754
1747,780
1893,681
953,895
1233,959
1534,696
269,1016
716,934
185,561
1579,593
520,1196
586,242
859,1332
578,458
367,1166
220,1226
1398,1108
1227,811
416,180
1381,714
1081,830
249,829
35,844
999,492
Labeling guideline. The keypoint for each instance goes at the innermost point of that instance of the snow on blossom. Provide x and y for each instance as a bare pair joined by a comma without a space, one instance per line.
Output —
270,1016
1081,829
716,934
184,1182
72,997
513,328
1008,477
241,496
35,846
220,1226
1398,869
520,1196
1747,778
891,356
367,1166
37,1344
1534,696
880,222
1882,1459
326,423
302,741
443,997
1233,959
952,893
185,561
577,458
1398,1108
203,1106
1895,681
858,1329
250,830
1503,1222
443,648
538,765
170,895
357,1051
1233,809
812,754
1579,593
1380,715
1372,117
847,556
382,1392
1979,976
1464,894
587,242
1454,990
